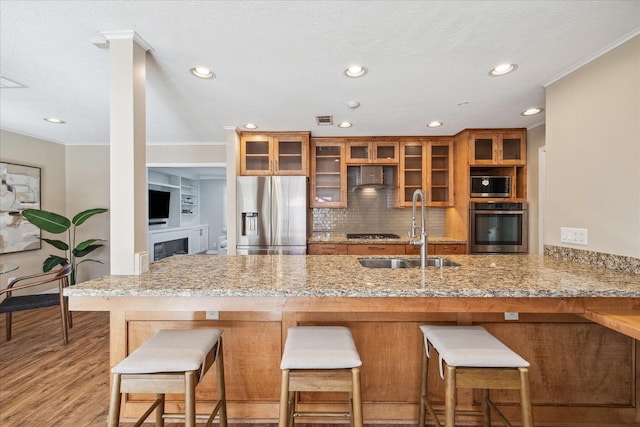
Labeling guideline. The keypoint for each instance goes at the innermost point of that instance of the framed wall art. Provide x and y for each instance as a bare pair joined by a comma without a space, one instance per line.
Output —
19,190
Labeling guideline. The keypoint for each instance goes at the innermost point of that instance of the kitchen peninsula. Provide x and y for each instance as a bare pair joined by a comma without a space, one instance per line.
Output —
581,372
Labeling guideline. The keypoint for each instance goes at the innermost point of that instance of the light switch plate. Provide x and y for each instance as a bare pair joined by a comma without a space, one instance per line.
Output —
575,236
141,262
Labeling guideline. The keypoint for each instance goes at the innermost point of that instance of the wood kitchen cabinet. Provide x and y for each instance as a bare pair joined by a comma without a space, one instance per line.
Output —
326,249
372,150
274,153
328,174
426,164
375,249
507,148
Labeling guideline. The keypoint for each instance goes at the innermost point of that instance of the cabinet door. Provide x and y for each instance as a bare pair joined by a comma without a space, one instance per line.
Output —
328,174
412,169
358,152
512,149
291,155
483,149
385,152
373,249
256,154
326,249
440,173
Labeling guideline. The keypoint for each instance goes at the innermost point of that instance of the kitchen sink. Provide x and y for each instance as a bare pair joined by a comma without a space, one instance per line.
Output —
386,263
434,262
405,263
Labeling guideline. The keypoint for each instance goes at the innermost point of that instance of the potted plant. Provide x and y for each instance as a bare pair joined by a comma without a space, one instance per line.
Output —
57,224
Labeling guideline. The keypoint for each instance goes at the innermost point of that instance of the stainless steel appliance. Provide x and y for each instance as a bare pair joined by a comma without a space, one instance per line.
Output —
273,215
490,186
498,227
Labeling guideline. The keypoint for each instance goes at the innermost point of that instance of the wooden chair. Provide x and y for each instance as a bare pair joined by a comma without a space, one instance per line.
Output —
470,357
172,361
27,302
319,358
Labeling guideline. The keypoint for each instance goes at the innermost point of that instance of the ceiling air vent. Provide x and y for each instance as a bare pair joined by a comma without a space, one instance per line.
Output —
6,83
324,120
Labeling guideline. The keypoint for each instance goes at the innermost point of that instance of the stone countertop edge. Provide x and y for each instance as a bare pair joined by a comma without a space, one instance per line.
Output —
403,240
485,276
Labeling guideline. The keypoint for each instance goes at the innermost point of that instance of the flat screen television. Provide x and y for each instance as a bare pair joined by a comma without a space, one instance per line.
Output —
159,204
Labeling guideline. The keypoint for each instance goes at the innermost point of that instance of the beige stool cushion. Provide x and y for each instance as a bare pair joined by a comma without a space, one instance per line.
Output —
470,346
171,351
320,347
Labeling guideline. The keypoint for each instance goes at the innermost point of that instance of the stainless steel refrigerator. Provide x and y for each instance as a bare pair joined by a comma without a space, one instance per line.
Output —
273,215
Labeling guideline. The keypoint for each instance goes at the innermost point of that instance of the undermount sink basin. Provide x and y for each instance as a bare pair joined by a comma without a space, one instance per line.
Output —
405,263
435,262
385,263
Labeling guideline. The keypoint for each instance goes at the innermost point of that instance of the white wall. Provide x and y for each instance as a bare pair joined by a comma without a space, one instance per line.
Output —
535,140
212,208
593,153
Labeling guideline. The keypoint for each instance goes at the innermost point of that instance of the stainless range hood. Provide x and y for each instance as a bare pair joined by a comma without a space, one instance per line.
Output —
373,177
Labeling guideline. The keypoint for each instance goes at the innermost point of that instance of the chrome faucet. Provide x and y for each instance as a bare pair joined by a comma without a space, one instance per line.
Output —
422,242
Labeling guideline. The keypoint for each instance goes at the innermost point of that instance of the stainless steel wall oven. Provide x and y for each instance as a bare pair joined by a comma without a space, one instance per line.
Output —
498,227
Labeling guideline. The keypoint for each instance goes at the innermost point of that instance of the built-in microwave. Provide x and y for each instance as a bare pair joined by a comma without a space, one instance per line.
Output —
490,186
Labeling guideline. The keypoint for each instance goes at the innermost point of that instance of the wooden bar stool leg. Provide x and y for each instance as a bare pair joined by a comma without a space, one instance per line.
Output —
423,387
8,325
114,406
284,399
222,394
450,396
190,399
486,410
525,398
160,410
357,398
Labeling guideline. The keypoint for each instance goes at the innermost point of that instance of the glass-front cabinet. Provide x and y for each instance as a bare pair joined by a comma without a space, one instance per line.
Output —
328,174
371,150
428,165
497,148
274,153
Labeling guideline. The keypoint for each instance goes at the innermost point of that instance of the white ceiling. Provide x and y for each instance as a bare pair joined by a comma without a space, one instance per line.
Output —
280,63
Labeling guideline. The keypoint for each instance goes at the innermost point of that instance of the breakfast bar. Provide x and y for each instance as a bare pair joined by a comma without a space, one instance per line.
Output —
576,324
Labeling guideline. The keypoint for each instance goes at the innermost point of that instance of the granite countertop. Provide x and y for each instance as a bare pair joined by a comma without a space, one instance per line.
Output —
489,276
320,237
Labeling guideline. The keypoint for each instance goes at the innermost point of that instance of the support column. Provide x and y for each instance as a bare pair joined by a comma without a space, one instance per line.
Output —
128,178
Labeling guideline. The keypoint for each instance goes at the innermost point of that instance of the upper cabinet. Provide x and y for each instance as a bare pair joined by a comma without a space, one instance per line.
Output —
274,153
426,164
372,150
328,173
497,148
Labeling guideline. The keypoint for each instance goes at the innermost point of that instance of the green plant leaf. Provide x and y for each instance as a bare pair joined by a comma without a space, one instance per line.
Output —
52,261
85,251
81,217
47,221
90,260
58,244
86,243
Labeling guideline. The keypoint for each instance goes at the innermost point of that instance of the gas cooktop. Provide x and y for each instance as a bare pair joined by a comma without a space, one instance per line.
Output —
372,236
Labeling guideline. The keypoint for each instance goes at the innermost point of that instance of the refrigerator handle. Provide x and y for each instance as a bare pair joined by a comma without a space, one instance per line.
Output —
249,223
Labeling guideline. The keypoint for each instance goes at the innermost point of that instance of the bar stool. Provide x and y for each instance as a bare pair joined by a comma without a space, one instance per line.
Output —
172,361
319,358
470,357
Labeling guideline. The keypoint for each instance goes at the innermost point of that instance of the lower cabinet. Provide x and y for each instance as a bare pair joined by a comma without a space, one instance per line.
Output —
388,249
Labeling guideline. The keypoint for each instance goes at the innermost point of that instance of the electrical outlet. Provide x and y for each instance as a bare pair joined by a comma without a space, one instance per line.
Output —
511,315
575,236
212,315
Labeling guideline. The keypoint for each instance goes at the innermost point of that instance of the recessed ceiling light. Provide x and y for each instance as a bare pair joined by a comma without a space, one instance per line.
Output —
202,72
355,71
353,104
463,102
502,69
434,124
532,111
250,126
54,120
344,125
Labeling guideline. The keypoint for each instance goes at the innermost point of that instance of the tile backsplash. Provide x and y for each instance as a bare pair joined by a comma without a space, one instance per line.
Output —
372,211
